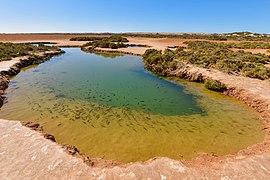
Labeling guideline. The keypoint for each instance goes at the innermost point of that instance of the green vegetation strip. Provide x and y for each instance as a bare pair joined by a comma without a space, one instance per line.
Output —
237,36
249,45
113,42
11,50
208,55
242,45
85,38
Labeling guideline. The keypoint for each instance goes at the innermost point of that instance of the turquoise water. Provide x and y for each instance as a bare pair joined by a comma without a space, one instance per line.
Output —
121,82
111,107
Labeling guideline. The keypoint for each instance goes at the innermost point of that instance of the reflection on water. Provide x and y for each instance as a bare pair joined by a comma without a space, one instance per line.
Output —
113,108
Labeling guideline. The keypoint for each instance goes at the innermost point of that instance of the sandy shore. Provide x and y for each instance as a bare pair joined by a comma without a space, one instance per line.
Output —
25,153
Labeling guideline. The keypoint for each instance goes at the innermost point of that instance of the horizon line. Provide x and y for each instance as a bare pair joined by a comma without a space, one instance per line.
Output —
132,32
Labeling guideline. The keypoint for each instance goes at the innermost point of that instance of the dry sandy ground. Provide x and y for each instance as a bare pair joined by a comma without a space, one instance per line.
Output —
60,39
25,154
5,65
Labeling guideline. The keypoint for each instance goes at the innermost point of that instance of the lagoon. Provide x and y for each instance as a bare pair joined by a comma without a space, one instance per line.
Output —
111,107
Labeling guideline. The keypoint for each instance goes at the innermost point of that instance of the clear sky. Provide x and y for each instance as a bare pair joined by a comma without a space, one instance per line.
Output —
134,16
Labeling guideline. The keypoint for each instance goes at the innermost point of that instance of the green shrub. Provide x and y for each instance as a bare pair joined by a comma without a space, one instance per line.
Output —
85,38
249,45
238,36
116,38
215,85
210,55
11,50
113,42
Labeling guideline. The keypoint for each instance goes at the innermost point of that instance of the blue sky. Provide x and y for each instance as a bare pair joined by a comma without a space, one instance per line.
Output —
134,16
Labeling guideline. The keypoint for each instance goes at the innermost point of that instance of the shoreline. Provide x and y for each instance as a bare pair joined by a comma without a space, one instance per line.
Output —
12,67
262,105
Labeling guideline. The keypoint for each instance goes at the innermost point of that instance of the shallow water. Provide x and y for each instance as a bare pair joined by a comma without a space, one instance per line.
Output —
111,107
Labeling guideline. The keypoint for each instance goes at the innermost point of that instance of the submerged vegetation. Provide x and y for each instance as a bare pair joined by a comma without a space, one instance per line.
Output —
113,42
208,55
11,50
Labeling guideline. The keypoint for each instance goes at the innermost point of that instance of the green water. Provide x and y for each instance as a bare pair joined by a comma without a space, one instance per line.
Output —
111,107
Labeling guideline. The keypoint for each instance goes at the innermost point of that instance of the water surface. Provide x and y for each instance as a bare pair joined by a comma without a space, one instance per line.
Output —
111,107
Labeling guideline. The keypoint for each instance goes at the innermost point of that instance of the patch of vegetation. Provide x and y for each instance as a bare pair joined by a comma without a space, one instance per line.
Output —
158,62
217,37
105,44
11,50
247,36
113,42
215,85
249,45
238,36
209,55
268,51
137,45
85,38
115,38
